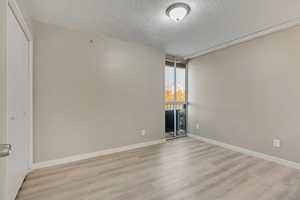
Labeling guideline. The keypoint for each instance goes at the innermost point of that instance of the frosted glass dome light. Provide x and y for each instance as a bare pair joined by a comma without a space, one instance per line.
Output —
178,11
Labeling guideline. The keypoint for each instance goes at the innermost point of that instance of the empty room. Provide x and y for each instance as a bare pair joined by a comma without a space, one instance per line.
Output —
149,100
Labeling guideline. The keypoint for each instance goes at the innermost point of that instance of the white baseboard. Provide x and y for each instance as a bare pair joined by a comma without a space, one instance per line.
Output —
51,163
248,152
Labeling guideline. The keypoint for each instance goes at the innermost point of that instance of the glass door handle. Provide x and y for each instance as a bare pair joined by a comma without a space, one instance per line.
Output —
5,150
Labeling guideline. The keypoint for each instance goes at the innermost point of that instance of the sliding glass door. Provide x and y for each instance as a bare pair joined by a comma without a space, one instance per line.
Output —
175,99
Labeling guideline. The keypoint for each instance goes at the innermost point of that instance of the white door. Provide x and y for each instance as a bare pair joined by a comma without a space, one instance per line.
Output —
18,105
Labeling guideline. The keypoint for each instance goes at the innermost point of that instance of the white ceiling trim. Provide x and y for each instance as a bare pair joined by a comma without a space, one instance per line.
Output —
251,36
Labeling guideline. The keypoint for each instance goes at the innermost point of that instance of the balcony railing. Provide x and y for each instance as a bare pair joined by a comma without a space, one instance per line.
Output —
180,123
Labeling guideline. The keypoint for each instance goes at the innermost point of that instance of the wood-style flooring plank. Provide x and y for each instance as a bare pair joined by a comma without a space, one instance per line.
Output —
181,169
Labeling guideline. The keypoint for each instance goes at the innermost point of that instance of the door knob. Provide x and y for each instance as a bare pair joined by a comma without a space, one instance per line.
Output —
5,150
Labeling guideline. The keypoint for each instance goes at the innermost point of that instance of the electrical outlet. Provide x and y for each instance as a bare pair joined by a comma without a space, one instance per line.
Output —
143,132
197,126
276,143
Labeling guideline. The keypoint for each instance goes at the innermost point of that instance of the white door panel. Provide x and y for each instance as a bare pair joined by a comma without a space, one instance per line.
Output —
18,105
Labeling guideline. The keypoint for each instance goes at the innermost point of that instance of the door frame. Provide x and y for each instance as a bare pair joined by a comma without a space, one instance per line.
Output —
13,5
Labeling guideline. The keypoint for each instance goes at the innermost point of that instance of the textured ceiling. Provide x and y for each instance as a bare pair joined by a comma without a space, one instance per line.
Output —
210,23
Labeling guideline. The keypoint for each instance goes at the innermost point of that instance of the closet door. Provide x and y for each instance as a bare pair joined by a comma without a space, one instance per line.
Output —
18,105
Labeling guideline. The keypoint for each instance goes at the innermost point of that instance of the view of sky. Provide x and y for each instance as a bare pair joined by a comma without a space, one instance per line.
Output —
169,78
169,84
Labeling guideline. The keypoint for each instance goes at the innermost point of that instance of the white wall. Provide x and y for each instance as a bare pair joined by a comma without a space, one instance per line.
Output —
93,96
248,94
25,6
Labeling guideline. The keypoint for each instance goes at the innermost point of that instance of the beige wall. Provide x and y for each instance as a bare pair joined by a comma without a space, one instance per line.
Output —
249,94
93,96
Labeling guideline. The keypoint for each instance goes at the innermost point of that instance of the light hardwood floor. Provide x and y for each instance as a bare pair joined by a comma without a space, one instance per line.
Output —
184,169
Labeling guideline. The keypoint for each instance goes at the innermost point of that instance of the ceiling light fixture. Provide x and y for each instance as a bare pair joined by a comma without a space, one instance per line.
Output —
178,11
